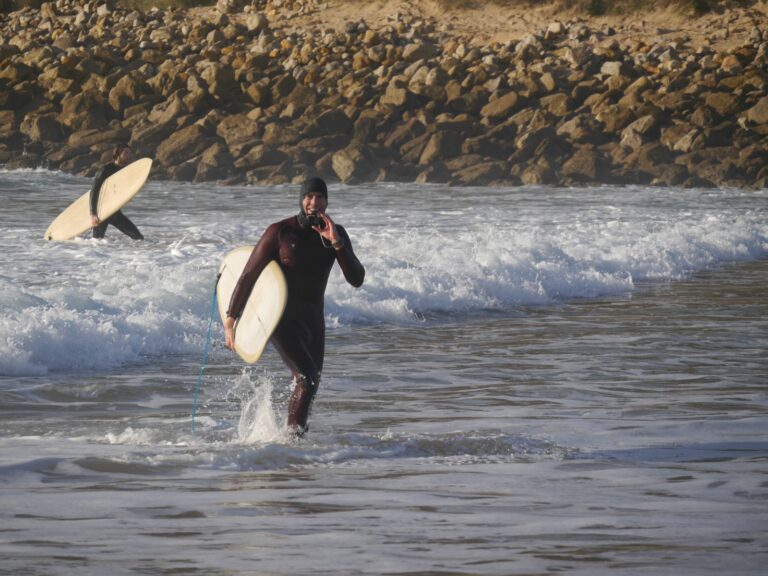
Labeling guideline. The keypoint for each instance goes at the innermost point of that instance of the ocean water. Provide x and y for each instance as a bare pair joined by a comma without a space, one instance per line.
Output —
531,381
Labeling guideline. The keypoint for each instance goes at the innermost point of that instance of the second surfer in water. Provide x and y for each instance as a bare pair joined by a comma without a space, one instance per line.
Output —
306,247
121,157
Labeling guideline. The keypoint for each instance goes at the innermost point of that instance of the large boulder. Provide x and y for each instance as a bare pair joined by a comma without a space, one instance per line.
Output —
673,133
615,118
615,68
705,116
88,138
559,105
397,94
581,129
410,152
220,80
16,72
441,146
641,131
533,137
127,92
239,132
183,145
724,103
483,173
670,175
9,125
404,132
214,163
501,108
280,134
85,110
259,92
261,155
147,134
758,114
585,165
487,147
169,110
690,141
355,163
419,51
328,123
42,128
536,173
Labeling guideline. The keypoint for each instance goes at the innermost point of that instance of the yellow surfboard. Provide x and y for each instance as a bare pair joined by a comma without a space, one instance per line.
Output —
116,192
263,309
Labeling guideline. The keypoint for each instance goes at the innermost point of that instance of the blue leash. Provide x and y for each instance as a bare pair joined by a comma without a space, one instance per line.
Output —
205,355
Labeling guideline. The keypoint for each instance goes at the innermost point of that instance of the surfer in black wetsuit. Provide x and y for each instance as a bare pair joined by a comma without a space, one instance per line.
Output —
306,247
121,158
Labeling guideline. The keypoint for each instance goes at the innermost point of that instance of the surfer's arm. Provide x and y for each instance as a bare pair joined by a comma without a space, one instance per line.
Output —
353,270
95,190
262,254
229,332
105,173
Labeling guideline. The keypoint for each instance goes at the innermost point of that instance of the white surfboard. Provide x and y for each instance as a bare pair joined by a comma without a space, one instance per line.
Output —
263,309
116,192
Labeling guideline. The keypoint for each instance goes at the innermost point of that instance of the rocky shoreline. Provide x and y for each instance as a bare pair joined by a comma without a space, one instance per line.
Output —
231,95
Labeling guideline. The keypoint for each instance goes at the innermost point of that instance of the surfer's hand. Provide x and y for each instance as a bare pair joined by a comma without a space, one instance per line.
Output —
229,333
329,231
95,221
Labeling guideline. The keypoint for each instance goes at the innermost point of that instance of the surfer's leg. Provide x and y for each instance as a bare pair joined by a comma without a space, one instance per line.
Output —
299,405
100,230
124,224
290,341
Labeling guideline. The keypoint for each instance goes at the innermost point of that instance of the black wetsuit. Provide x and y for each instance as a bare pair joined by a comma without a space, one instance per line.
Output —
118,219
306,260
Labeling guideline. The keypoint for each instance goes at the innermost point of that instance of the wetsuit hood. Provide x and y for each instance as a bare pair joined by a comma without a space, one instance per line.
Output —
310,185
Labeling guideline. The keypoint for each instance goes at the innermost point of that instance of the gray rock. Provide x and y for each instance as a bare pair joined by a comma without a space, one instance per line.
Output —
502,107
758,114
585,165
441,146
482,174
239,132
42,128
261,155
85,110
88,138
403,133
328,123
183,145
559,105
723,103
614,68
354,164
419,51
9,124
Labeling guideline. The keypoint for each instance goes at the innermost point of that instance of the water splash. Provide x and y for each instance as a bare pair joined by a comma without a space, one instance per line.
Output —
259,421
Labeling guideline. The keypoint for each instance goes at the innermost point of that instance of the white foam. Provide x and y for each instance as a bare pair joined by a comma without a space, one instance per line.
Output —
92,305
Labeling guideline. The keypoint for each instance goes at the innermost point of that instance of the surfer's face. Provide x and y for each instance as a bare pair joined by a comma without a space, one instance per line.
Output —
314,203
124,156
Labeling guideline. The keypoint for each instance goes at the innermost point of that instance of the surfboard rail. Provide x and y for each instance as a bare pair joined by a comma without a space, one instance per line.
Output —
264,306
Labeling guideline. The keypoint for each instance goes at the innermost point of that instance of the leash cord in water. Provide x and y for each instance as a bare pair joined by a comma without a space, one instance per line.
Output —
205,354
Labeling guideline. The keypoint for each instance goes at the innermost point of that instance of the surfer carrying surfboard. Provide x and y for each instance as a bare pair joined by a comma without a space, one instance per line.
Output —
122,156
305,247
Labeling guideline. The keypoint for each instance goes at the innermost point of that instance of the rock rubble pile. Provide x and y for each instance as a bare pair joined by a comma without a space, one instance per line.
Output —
230,95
